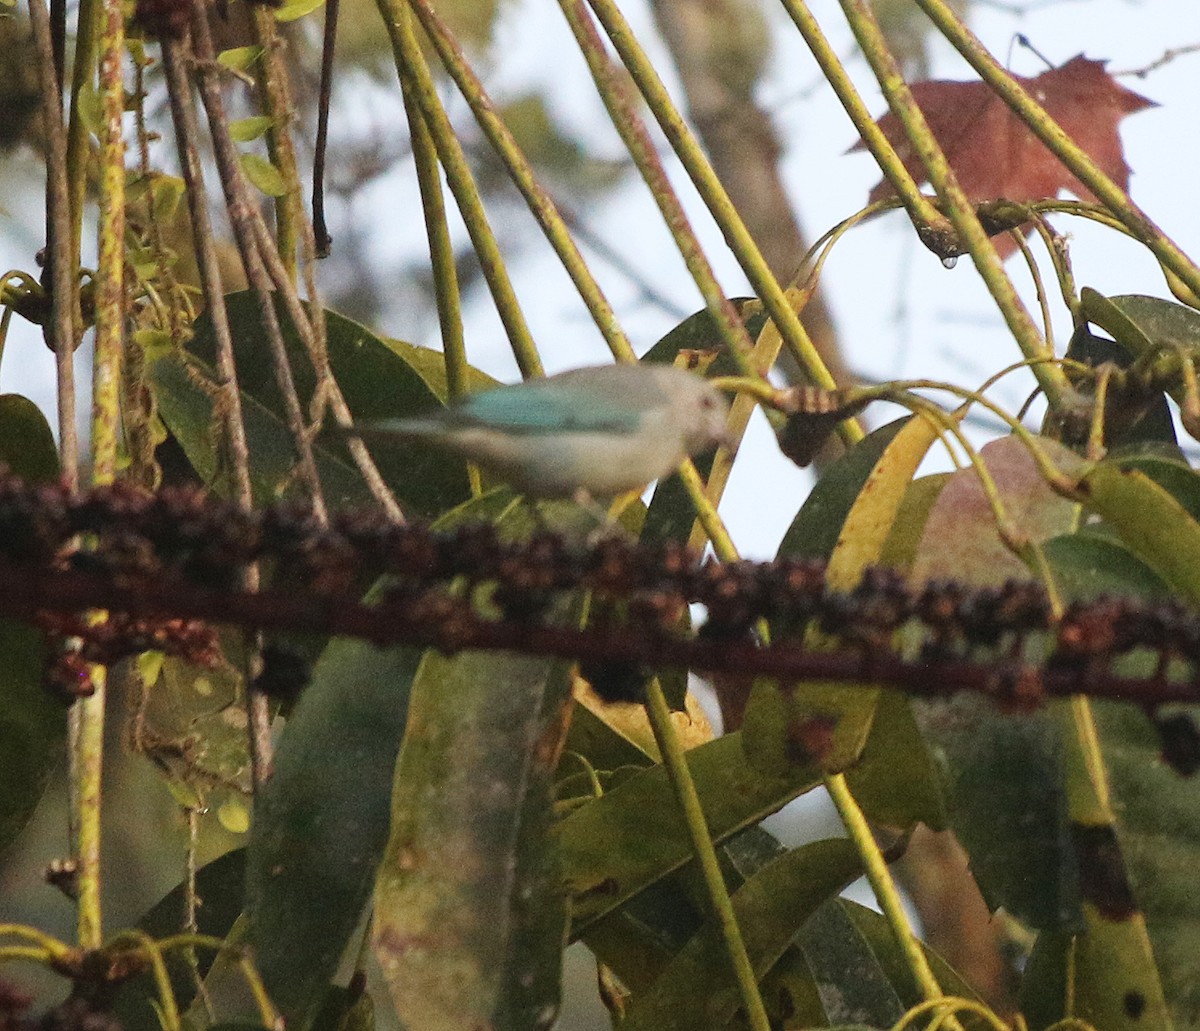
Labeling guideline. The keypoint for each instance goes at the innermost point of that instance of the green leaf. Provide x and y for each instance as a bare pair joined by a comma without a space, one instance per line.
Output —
820,721
1130,958
345,1009
818,524
469,915
904,540
430,366
1158,828
871,516
263,175
321,821
598,740
26,440
1143,324
90,107
1008,807
239,59
880,938
185,704
850,980
379,380
33,727
638,941
799,725
699,332
33,723
961,540
607,852
293,9
1130,421
1150,328
1003,772
1150,521
243,130
1092,566
1169,471
698,989
896,781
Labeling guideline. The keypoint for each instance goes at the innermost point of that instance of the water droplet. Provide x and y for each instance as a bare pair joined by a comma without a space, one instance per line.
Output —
950,262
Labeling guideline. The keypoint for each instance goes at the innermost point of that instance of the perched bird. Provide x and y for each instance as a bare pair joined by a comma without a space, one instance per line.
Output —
597,431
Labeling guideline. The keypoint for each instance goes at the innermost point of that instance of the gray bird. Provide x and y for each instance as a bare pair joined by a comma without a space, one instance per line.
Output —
598,431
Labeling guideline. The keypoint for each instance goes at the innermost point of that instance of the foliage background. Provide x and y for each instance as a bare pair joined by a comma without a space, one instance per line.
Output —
897,310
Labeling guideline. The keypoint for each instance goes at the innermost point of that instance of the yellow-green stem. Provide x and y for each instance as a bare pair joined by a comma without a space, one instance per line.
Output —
884,888
555,229
441,249
540,204
719,205
918,206
706,854
106,393
414,72
958,208
1052,475
47,943
623,113
766,350
168,1009
83,67
29,953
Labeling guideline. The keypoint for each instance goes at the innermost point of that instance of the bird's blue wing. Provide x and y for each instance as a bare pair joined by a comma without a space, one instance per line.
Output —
552,406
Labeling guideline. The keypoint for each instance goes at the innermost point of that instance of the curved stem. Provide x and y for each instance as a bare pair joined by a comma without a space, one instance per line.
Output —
1064,148
958,208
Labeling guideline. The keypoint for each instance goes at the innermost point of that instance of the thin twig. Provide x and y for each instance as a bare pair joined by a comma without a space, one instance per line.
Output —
659,715
60,331
1167,57
240,203
328,47
187,133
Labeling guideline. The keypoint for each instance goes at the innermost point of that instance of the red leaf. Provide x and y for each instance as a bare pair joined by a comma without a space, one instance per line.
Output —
995,156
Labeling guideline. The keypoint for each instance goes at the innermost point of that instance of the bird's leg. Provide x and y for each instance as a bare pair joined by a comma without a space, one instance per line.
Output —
607,520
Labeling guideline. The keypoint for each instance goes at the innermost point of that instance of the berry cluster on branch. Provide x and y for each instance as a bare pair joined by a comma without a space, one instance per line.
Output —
160,562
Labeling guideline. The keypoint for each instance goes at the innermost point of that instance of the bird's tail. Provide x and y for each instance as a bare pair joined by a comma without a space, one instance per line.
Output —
389,430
